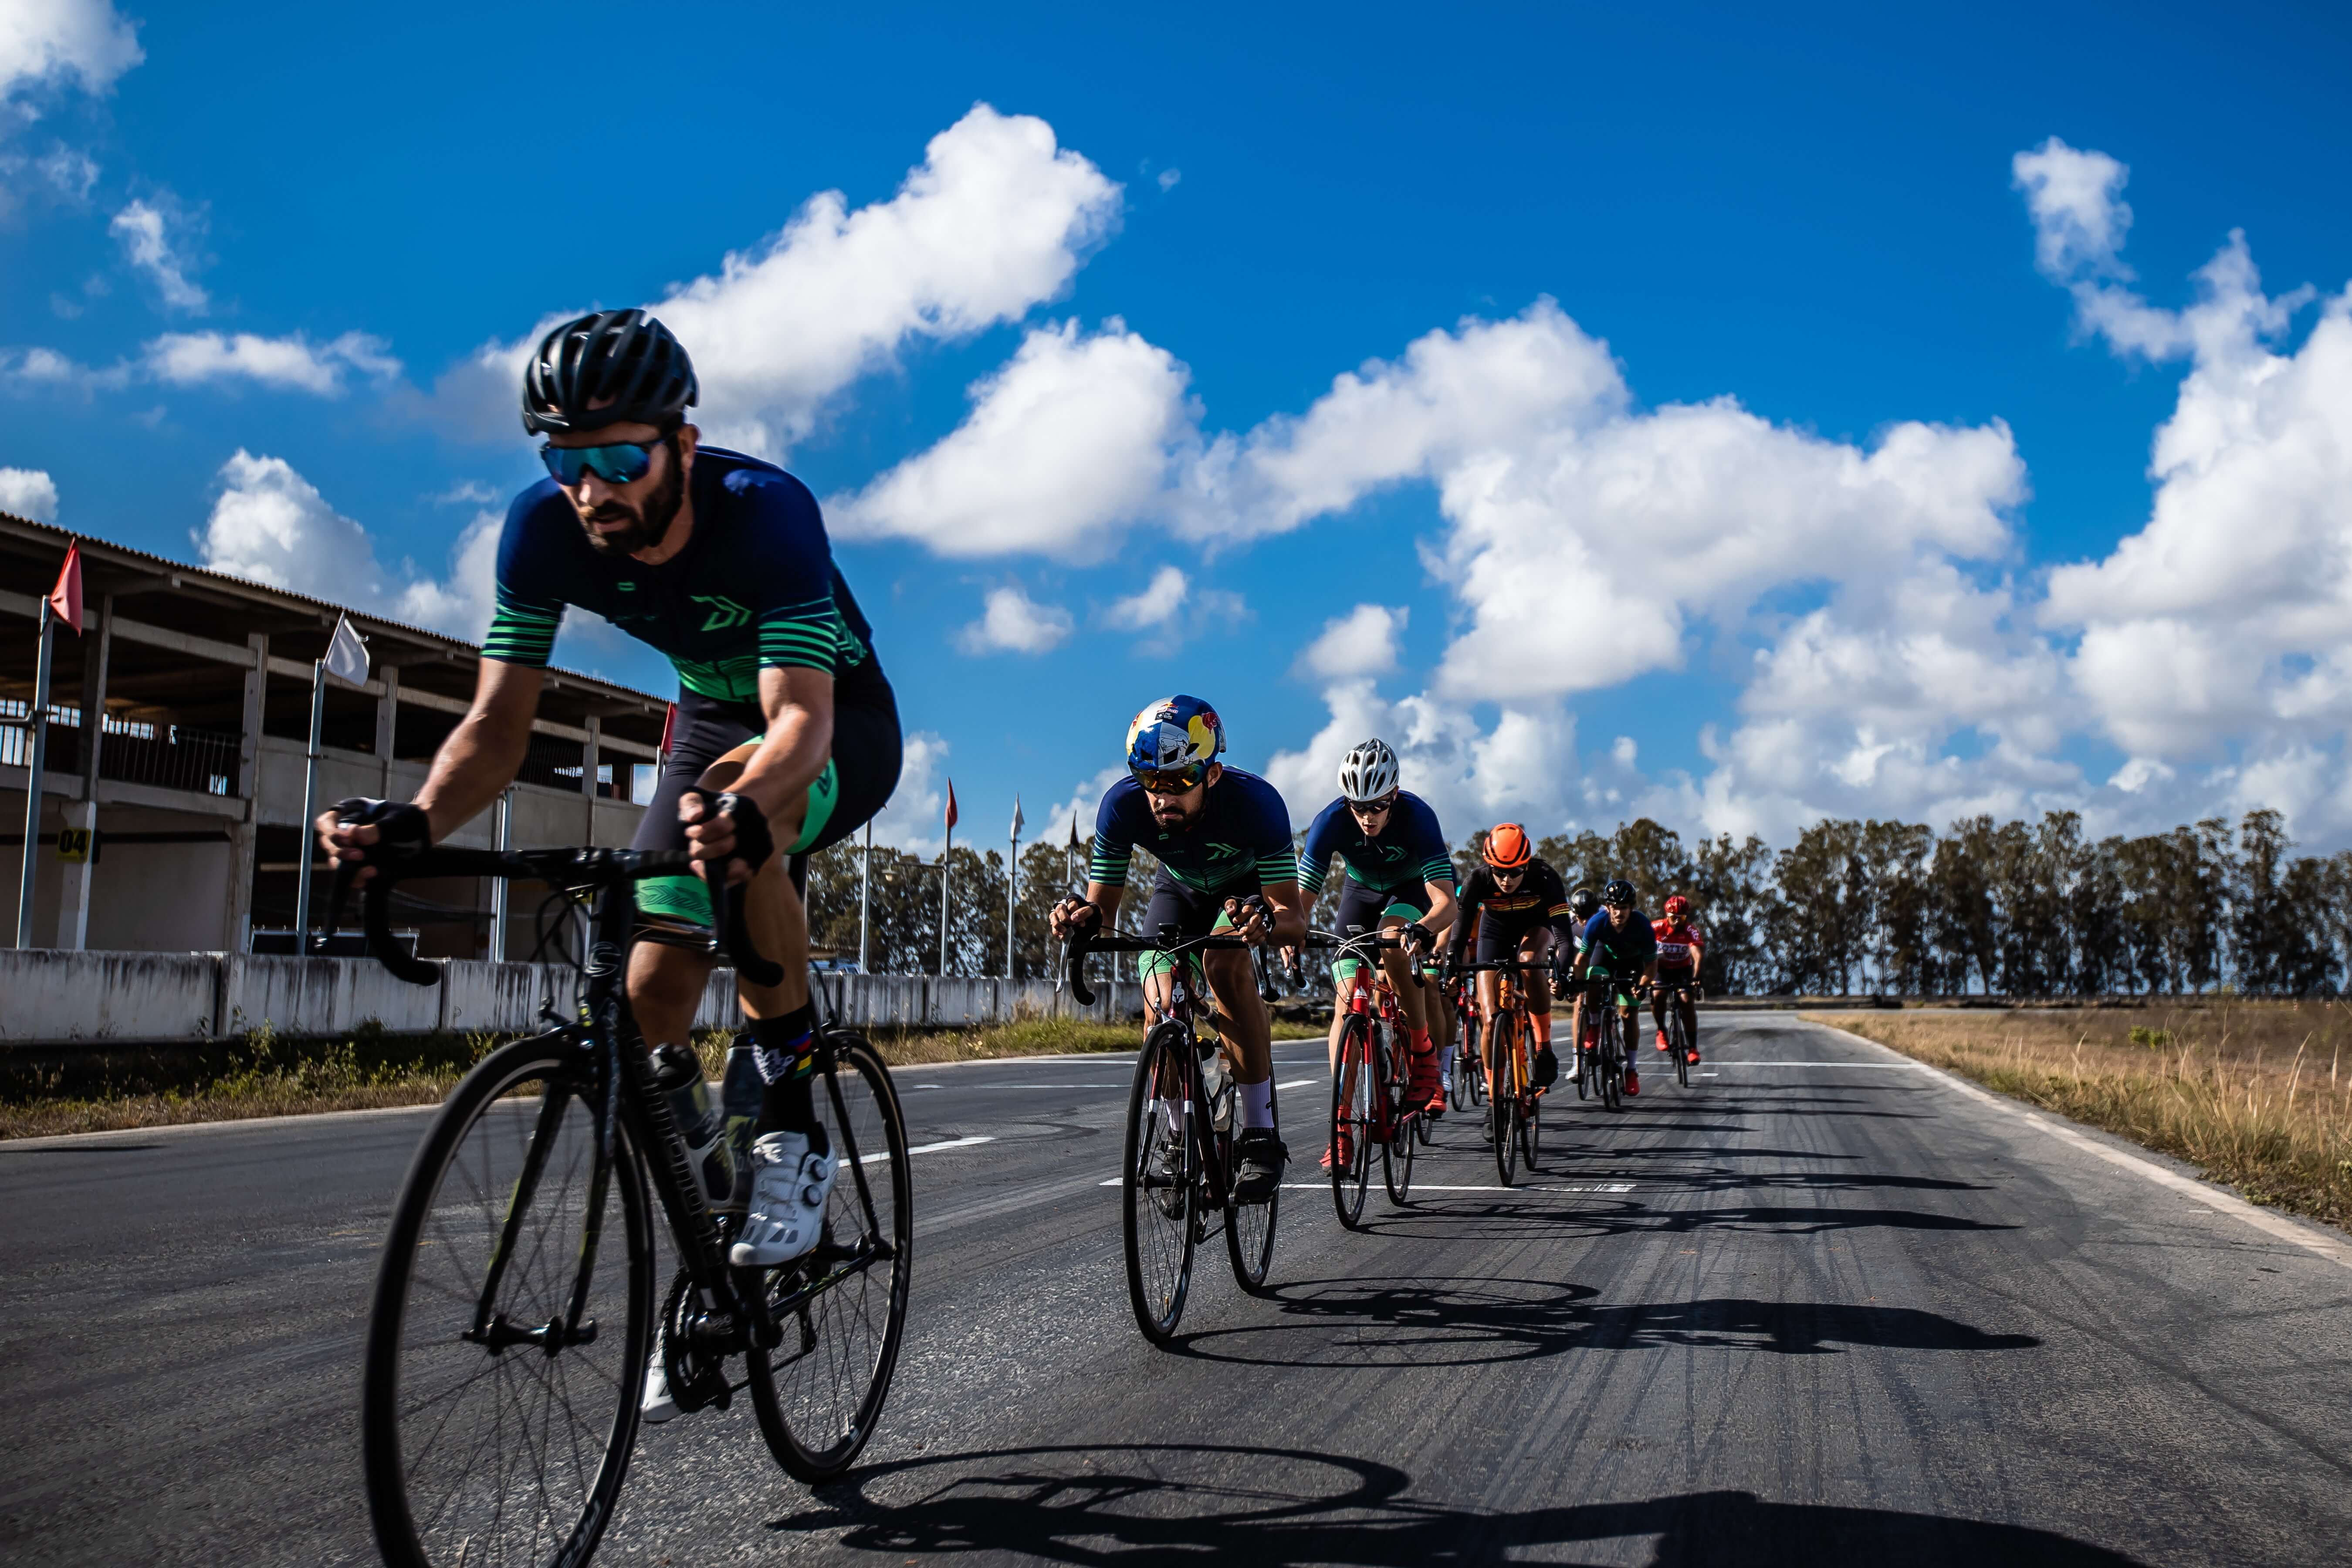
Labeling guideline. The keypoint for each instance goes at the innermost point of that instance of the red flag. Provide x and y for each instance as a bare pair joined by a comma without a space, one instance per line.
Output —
669,730
65,599
951,810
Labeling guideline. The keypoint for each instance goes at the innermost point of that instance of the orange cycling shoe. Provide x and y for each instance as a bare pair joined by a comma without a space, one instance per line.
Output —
1662,1041
1632,1081
1347,1153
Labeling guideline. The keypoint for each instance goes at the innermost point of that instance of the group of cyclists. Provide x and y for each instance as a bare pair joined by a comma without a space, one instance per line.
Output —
786,741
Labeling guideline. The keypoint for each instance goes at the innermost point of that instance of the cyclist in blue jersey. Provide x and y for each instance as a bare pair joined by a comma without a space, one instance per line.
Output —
787,736
1619,945
1223,840
1399,878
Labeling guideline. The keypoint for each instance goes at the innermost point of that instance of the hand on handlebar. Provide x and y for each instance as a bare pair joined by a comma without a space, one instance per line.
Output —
728,828
1253,919
350,829
1073,916
1417,940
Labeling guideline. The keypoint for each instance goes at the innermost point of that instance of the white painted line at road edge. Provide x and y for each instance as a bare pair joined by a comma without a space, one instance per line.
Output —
928,1148
2275,1225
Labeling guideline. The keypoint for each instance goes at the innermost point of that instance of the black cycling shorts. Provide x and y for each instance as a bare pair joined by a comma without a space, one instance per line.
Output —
857,782
1499,940
1368,907
1194,913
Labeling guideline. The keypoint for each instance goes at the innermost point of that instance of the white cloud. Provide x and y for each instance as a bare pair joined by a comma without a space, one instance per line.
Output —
2076,201
29,493
271,525
1360,643
289,363
1072,438
914,820
1159,605
1014,623
1170,178
142,227
461,602
994,221
52,42
45,370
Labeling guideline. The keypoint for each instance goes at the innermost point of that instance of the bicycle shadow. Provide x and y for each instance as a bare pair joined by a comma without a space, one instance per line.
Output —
1436,1216
1153,1504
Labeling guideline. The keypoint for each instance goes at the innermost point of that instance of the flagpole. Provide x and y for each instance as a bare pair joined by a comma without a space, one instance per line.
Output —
40,756
864,897
1011,884
948,844
309,809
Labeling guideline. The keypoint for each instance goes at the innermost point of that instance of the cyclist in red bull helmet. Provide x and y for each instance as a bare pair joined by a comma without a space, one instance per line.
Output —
1223,840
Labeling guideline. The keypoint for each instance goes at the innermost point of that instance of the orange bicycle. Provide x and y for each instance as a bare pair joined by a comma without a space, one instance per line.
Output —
1513,1099
1372,1098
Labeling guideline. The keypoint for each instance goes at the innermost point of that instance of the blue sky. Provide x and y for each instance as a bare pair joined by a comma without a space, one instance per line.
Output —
1785,447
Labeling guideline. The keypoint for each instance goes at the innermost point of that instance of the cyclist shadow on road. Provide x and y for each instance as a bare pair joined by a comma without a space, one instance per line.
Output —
1541,1215
1412,1322
1182,1503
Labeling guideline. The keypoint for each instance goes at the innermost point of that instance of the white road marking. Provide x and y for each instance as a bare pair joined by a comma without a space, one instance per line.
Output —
928,1149
2212,1197
1302,1082
1866,1067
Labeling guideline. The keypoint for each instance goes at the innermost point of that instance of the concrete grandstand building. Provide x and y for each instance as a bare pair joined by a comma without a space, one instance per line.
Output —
178,732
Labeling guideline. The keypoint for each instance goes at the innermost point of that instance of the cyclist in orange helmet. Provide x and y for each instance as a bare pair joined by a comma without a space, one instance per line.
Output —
1519,906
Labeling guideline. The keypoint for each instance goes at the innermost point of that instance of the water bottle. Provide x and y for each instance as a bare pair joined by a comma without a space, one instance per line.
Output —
739,1094
698,1122
1217,1083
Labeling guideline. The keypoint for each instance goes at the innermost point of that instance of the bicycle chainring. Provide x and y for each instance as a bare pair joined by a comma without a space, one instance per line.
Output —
698,1374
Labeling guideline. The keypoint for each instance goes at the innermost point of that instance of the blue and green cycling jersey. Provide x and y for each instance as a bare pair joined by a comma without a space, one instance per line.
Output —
1241,840
1407,852
754,588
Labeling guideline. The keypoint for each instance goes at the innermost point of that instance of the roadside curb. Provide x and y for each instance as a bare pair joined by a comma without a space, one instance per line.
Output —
2281,1226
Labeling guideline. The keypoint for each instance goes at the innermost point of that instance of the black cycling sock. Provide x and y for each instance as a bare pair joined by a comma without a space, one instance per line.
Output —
786,1053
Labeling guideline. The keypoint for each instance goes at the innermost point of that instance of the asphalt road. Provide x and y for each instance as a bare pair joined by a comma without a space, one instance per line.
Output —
1820,1307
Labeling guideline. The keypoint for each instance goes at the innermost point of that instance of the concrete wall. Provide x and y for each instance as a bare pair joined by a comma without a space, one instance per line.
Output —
54,997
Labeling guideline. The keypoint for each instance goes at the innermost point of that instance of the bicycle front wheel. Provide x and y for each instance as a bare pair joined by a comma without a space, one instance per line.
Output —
1352,1087
1530,1113
513,1318
1161,1182
841,1310
1504,1102
1681,1040
1613,1064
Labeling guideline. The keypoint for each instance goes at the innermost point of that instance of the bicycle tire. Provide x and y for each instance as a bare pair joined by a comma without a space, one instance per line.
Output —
1352,1087
1612,1062
1502,1100
1478,1062
1680,1044
1249,1228
1585,1087
612,1364
1164,1120
1457,1081
1396,1149
815,1433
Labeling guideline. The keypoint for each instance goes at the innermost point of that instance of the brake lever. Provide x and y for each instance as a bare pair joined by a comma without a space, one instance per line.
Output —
1080,944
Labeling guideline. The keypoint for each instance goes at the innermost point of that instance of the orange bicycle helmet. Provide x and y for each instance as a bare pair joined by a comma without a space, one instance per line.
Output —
1507,847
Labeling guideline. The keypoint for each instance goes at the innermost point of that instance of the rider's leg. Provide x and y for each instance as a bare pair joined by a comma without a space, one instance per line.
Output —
666,985
1241,1021
1658,1013
1689,1005
1537,987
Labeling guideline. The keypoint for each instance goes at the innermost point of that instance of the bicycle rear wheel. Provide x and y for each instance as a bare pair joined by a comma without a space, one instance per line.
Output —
492,1447
1612,1062
842,1309
1352,1087
1396,1149
1530,1115
1161,1183
1457,1081
1472,1032
1249,1230
1680,1039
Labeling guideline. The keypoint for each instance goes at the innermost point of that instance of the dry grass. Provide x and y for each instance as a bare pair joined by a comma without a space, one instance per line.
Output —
2258,1094
263,1076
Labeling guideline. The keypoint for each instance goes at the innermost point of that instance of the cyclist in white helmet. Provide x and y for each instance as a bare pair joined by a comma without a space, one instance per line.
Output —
1399,877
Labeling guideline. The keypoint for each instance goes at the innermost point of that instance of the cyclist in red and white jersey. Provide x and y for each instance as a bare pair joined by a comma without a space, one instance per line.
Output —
1681,946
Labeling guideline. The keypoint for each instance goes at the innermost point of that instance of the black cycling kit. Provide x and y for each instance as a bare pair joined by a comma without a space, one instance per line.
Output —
1504,917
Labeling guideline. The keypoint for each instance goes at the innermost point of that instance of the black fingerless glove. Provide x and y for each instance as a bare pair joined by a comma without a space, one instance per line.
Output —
401,828
753,842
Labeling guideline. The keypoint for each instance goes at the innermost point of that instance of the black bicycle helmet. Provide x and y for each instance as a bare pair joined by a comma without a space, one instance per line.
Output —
1618,894
1584,903
623,360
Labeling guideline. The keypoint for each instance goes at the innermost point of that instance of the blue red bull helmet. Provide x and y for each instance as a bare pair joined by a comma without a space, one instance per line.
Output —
1173,740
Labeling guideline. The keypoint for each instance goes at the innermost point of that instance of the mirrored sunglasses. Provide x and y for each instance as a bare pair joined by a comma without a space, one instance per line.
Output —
621,463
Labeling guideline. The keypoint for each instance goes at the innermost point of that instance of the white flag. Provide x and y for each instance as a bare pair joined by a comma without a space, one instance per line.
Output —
347,656
1016,817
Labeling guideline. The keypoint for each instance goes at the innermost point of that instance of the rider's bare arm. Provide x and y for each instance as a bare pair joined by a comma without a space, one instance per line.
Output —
1288,904
480,758
1441,906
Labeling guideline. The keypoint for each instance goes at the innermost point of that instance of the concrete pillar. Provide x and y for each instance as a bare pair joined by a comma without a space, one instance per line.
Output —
248,749
589,763
73,895
388,719
237,913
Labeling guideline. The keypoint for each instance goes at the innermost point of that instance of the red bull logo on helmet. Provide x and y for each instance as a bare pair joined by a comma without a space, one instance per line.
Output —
1174,732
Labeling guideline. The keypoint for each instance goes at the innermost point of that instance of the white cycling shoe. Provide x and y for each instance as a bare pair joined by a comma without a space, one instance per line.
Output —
657,1406
790,1186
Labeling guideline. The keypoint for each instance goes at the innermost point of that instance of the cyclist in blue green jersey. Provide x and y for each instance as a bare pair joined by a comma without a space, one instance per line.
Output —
1399,878
1223,840
787,737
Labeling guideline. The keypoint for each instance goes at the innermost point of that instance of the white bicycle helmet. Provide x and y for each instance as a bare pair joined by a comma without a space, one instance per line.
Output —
1369,772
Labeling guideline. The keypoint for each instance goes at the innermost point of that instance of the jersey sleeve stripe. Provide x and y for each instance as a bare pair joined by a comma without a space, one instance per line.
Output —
1276,867
1310,875
522,633
1438,868
1109,867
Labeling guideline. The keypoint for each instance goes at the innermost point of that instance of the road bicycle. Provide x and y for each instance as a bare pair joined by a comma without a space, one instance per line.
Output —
1515,1104
1678,1042
1184,1118
1372,1081
1467,1086
1608,1019
508,1337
